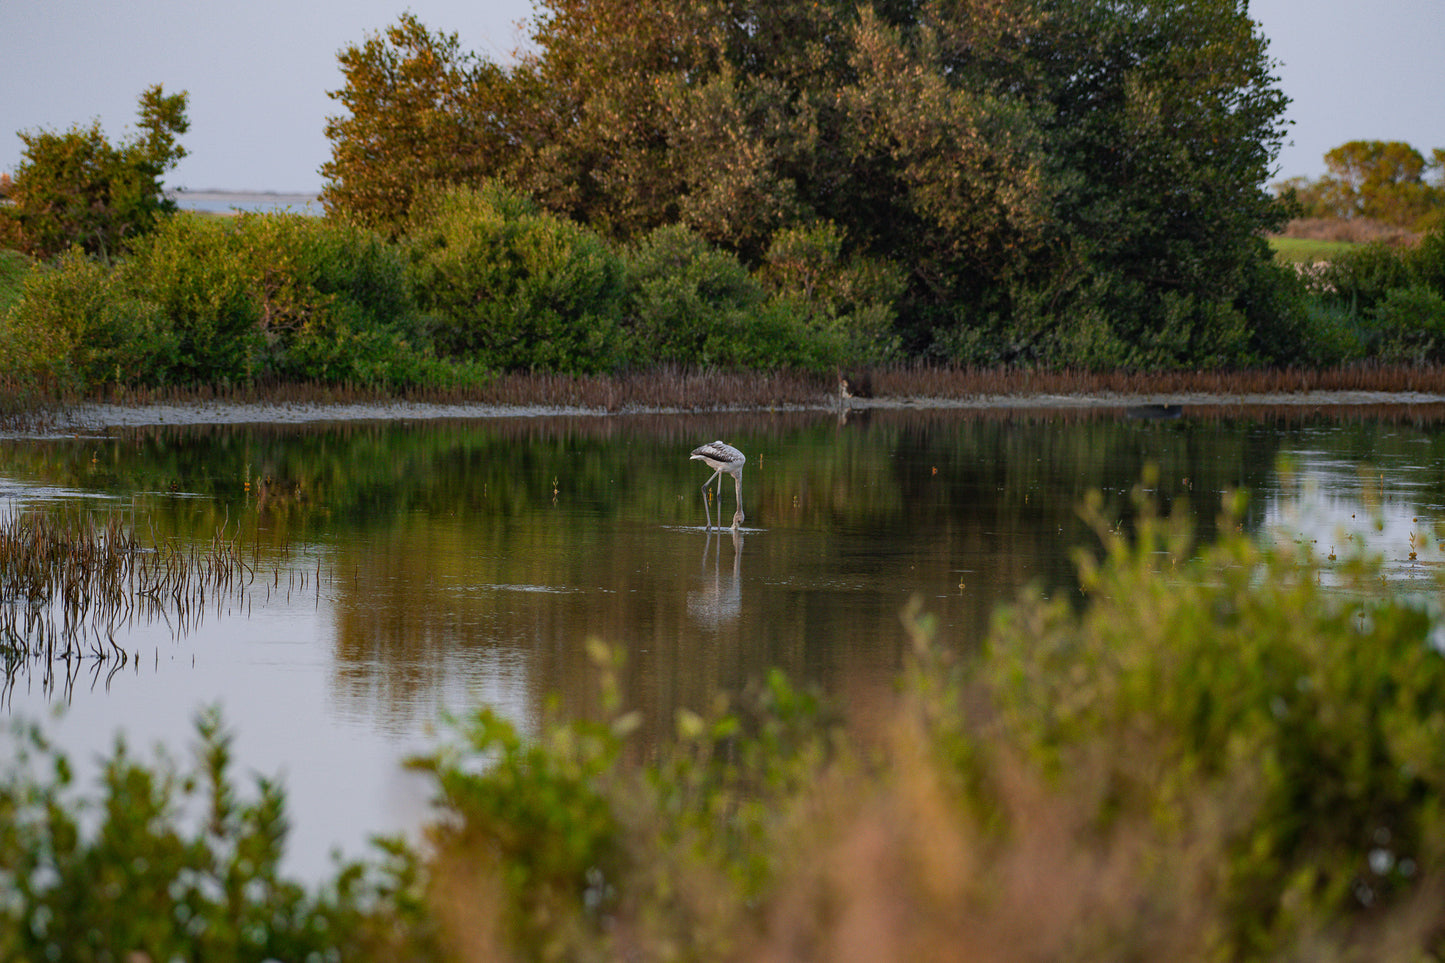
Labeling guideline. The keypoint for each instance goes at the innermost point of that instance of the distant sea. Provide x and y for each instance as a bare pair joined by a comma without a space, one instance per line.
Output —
229,202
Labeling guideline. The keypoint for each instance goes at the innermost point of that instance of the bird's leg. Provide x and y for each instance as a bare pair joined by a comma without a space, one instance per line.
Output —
705,506
738,488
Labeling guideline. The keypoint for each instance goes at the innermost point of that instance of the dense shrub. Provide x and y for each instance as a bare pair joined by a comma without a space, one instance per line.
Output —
1407,326
74,326
690,302
1358,279
227,301
850,299
13,268
190,268
513,288
281,296
693,303
1392,300
1282,330
1427,261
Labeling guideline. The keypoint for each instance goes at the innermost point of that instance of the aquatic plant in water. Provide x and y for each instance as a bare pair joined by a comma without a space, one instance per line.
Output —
67,586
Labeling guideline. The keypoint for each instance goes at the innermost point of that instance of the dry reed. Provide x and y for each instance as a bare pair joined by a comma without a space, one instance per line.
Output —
671,388
67,586
1357,230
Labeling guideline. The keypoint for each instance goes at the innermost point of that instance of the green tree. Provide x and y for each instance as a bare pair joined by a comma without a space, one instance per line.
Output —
78,188
1164,120
1065,182
419,111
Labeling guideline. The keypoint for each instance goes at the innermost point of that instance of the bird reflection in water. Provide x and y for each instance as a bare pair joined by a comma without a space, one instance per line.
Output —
720,599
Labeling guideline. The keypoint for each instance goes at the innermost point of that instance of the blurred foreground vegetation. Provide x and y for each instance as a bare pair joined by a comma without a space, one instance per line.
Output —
1220,755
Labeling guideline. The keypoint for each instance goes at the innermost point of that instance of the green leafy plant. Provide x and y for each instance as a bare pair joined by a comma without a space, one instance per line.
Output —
513,288
172,863
690,302
75,327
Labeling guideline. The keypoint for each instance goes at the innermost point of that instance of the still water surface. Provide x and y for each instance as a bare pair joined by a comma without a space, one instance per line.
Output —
403,569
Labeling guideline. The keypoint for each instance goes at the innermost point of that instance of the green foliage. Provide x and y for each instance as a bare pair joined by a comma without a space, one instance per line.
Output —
1280,327
217,301
172,864
1408,325
691,302
588,848
334,301
189,268
853,301
1232,701
512,287
1392,297
75,327
1332,335
279,296
1427,261
14,267
76,188
1020,165
1359,278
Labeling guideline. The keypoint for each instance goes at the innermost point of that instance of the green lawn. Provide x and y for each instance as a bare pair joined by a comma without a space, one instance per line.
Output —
1299,249
13,268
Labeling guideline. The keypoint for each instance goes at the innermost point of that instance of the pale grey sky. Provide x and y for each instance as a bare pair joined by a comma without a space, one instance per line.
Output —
258,73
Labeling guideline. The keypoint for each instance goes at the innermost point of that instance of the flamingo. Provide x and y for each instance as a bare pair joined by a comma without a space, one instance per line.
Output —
721,458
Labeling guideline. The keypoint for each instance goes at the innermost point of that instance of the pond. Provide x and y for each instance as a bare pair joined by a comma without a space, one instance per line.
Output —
398,569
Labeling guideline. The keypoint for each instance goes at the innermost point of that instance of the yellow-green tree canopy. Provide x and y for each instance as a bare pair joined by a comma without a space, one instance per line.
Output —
1376,179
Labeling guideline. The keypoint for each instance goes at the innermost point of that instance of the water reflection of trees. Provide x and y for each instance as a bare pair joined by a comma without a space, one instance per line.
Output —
457,544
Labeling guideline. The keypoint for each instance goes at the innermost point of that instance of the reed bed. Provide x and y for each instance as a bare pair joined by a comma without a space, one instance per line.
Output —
673,387
941,382
68,585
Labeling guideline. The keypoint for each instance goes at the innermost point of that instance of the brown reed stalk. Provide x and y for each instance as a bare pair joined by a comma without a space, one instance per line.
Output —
69,584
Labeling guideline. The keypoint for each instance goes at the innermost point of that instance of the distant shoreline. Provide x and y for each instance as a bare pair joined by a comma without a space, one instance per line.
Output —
215,194
230,202
99,416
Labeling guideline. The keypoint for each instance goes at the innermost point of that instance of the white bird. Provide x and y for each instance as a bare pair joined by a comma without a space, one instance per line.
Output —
722,458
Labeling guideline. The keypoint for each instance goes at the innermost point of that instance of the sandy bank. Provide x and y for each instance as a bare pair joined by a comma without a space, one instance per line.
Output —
88,418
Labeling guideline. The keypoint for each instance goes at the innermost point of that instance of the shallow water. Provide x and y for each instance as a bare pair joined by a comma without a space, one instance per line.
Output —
401,569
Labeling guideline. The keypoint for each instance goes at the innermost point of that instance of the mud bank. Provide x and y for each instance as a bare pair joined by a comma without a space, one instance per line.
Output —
91,418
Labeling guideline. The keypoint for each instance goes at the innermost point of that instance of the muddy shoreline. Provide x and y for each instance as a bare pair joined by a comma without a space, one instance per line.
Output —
98,417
